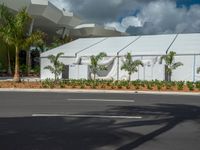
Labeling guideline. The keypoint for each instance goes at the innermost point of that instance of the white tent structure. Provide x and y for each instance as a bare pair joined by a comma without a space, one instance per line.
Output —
187,47
147,48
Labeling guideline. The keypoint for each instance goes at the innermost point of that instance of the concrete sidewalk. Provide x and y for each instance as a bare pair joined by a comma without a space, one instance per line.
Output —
98,91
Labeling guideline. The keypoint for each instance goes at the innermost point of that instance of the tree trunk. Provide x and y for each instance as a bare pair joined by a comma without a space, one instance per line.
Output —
17,75
28,62
9,64
129,77
169,76
94,76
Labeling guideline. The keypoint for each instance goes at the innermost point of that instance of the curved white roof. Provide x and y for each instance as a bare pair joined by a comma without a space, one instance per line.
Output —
150,45
136,45
73,47
111,46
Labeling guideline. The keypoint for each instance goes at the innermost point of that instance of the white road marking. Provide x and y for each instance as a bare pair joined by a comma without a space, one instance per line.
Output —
103,100
86,116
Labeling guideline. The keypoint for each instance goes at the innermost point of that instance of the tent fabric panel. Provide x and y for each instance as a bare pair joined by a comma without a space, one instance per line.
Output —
185,72
111,46
187,44
150,45
70,49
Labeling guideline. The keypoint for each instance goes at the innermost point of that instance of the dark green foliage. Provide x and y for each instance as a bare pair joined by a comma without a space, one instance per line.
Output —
190,85
197,84
170,63
57,66
48,83
180,85
95,66
131,66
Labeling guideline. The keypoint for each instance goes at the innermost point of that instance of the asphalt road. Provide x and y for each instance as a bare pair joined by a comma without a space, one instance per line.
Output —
72,121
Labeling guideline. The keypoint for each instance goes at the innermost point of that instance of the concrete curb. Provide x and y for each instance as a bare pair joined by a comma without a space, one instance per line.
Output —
98,91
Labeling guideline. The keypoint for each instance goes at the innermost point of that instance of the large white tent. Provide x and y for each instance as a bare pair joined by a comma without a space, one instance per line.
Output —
187,47
147,48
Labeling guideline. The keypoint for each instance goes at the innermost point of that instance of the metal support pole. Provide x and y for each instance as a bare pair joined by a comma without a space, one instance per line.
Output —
194,69
118,67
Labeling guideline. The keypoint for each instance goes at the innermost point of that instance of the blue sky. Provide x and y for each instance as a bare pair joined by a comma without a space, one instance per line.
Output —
187,2
138,16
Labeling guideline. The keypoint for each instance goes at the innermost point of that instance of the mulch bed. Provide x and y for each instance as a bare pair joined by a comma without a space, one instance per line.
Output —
39,85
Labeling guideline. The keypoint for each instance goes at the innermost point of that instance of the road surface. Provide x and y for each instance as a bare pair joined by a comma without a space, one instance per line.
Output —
94,121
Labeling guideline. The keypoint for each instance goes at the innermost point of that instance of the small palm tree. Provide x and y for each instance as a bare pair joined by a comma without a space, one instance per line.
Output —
198,70
13,32
57,67
95,67
130,66
170,64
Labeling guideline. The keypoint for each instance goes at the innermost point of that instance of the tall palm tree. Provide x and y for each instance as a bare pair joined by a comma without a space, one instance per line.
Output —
130,66
170,64
13,32
198,70
57,66
95,66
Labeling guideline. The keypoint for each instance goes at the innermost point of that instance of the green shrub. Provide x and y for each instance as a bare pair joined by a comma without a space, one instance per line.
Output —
180,85
158,84
190,85
48,83
197,85
168,85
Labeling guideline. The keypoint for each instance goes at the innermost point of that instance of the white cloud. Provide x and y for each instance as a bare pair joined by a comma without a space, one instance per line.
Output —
125,23
152,17
161,17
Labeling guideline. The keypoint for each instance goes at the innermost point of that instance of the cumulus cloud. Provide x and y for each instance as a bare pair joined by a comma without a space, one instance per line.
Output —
138,16
125,23
159,17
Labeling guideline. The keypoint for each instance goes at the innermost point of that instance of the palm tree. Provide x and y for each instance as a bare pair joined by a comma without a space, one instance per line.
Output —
95,66
57,67
13,32
130,66
170,64
198,70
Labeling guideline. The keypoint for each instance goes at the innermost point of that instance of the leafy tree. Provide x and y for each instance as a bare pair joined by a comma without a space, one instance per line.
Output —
13,32
198,70
130,66
95,66
170,64
57,67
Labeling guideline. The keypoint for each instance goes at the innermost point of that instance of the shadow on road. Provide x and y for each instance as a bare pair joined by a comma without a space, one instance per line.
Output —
60,133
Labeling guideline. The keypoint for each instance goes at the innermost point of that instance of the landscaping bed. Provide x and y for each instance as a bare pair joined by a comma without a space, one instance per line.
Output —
107,85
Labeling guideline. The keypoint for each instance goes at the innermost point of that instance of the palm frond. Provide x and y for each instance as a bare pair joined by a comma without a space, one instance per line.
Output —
58,55
50,68
36,38
5,15
176,65
130,65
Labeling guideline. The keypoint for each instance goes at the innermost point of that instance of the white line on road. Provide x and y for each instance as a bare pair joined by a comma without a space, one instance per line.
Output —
87,116
103,100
